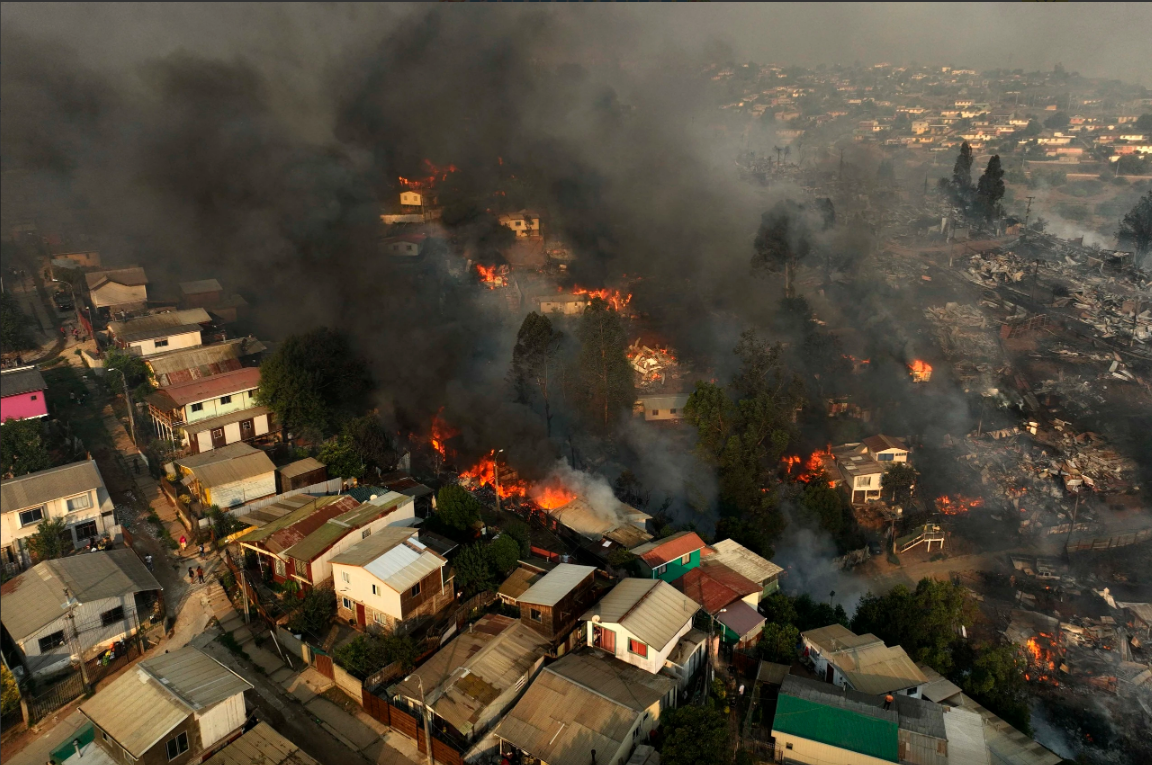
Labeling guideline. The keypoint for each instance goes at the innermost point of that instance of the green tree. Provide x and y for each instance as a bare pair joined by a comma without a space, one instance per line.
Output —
1144,123
503,554
811,615
962,172
1057,121
994,676
925,621
783,240
9,692
778,643
340,456
49,541
365,655
372,442
605,374
22,448
778,609
1136,227
693,735
823,504
897,483
474,570
314,382
533,361
456,510
519,531
314,615
131,366
990,188
15,325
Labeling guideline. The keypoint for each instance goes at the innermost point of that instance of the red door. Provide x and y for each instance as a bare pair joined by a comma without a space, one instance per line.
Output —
605,639
360,614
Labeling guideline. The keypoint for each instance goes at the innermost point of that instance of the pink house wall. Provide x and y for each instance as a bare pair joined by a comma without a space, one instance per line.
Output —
23,406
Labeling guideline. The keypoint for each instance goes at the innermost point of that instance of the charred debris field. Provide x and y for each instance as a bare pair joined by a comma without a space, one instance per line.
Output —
853,318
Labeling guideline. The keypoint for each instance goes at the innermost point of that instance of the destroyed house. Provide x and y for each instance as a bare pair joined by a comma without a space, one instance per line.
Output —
861,662
160,332
178,707
599,530
186,365
310,558
586,702
22,394
524,223
391,581
227,477
820,724
729,598
476,677
641,622
272,540
669,558
116,291
552,606
211,412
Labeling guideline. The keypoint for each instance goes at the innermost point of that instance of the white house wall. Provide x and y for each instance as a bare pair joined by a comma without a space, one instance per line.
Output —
232,494
232,433
359,590
813,752
101,502
221,719
213,408
322,565
655,660
175,343
93,637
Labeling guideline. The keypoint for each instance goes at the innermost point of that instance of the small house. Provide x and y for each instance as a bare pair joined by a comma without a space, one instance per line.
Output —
118,291
301,474
22,394
640,622
74,493
229,476
179,707
203,293
729,598
563,304
748,564
669,558
526,574
294,519
160,332
661,408
71,609
391,581
524,223
862,465
404,245
179,412
552,606
475,678
861,662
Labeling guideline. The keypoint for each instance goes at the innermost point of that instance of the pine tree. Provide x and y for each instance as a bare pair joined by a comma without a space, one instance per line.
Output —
1136,227
605,373
962,172
533,360
990,189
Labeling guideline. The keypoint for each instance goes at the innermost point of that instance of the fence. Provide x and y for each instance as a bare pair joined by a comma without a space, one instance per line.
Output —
62,691
1106,543
745,663
412,727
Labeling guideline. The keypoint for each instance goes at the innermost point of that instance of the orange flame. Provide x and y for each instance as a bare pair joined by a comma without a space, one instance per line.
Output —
484,474
815,466
441,432
489,276
957,505
551,496
613,298
921,371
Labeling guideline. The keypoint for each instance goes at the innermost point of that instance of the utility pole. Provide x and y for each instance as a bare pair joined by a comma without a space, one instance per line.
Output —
424,714
496,474
1035,276
74,638
128,403
1027,214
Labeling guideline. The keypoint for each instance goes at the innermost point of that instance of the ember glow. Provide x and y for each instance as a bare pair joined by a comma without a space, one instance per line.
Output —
484,474
920,370
613,298
435,173
489,276
441,432
958,504
551,496
815,466
1040,654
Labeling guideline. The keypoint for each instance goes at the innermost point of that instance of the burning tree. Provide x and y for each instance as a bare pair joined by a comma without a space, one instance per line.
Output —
605,374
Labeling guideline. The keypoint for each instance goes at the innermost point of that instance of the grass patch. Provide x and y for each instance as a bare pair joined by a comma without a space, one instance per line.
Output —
342,700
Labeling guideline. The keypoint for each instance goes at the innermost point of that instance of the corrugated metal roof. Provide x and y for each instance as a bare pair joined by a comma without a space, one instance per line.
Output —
715,586
557,583
650,609
965,730
300,467
518,583
877,669
598,522
939,687
285,532
472,671
132,276
46,485
188,364
394,556
741,618
204,388
619,681
224,472
661,551
13,382
159,324
261,746
363,553
835,637
201,286
141,706
845,719
882,443
772,673
921,716
1006,745
743,561
337,528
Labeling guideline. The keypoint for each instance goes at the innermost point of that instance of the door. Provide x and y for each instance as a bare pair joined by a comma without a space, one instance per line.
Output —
218,438
324,665
246,430
604,639
360,614
828,673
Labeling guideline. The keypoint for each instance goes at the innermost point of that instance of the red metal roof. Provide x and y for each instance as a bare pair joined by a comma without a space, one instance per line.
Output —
672,548
715,586
290,535
210,387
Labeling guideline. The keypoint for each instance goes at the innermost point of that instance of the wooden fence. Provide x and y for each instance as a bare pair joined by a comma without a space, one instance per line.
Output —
412,727
1107,543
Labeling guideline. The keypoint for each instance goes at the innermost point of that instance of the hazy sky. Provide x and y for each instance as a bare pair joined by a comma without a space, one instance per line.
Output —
1097,39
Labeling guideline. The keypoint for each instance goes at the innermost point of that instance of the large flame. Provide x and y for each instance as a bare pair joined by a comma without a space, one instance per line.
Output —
613,298
920,370
551,496
818,464
441,432
958,504
484,474
489,276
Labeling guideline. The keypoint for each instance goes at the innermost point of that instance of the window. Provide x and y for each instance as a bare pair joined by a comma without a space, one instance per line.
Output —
344,576
655,412
671,411
197,407
161,343
788,745
375,590
660,569
365,533
28,517
638,648
685,559
79,503
86,530
112,616
246,426
225,399
48,642
281,569
535,615
347,603
177,746
379,618
415,590
35,397
884,457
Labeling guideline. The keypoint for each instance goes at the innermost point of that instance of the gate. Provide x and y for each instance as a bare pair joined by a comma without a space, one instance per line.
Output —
379,709
323,664
54,697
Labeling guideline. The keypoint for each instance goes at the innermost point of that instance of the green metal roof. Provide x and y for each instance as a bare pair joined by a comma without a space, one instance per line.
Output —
335,529
837,727
285,521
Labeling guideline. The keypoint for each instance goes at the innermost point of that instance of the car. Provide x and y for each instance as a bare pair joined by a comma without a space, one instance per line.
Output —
63,301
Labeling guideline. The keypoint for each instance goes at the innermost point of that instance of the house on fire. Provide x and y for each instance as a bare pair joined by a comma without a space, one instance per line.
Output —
211,412
160,332
229,476
117,291
73,608
862,465
22,394
647,623
670,557
391,581
74,493
602,528
586,706
178,707
552,606
524,223
475,678
861,662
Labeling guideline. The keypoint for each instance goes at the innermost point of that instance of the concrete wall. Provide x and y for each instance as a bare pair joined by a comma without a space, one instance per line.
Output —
348,683
813,752
174,343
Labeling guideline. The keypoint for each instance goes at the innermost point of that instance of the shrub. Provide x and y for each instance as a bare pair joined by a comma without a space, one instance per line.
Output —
368,654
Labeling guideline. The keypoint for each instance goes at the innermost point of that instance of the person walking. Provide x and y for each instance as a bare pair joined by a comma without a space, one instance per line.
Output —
183,542
191,575
201,549
200,574
148,562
